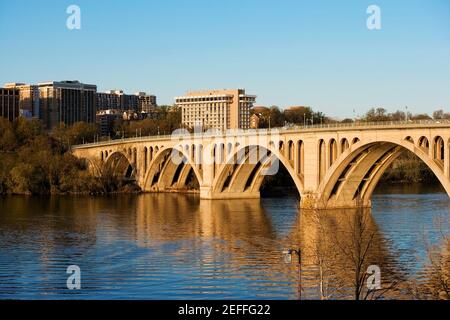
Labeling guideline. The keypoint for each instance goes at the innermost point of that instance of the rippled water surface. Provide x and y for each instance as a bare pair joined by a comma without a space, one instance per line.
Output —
168,246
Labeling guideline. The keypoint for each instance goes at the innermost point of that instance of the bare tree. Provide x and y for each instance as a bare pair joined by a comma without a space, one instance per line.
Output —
323,254
357,243
437,267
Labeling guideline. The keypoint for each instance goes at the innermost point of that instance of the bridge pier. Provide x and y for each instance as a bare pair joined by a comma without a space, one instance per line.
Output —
313,201
207,193
308,201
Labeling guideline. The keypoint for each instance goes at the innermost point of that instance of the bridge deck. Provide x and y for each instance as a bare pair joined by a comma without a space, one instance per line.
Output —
385,125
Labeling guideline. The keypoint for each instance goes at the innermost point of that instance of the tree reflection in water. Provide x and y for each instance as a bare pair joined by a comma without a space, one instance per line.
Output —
337,245
175,246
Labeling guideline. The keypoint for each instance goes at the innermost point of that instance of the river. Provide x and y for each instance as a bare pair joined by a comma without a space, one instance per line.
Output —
173,246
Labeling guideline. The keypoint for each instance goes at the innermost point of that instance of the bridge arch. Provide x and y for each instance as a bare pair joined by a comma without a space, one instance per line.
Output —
118,163
344,145
239,175
423,143
438,150
353,178
333,151
322,159
300,157
92,165
163,173
291,151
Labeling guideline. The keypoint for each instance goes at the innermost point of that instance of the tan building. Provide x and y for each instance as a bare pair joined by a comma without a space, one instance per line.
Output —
254,121
118,100
221,109
28,99
107,101
67,102
147,102
9,103
106,119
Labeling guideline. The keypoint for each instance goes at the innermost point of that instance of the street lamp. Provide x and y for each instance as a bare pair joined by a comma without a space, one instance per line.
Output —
288,259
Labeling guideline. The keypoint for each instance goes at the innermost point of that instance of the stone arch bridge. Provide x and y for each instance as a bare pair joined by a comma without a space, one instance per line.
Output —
332,166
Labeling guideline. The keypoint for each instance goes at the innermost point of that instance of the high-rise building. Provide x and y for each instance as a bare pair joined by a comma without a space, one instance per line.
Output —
106,119
221,109
66,102
28,99
117,100
107,101
147,103
9,103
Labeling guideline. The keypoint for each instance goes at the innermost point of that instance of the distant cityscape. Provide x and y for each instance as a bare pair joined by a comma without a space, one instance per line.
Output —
68,102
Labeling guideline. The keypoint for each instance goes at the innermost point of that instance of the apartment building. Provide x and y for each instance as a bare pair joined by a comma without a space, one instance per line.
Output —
9,103
66,102
221,109
28,99
118,100
147,102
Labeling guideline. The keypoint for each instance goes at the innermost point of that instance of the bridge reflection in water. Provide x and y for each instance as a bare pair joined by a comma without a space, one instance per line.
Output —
333,242
176,246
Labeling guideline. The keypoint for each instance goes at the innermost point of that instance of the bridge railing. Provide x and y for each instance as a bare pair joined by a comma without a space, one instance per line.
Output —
366,124
288,128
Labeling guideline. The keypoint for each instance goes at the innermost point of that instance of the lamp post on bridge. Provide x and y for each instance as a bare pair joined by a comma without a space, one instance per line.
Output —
288,259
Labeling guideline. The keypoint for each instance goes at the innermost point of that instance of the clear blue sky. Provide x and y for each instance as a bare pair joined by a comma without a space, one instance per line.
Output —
316,53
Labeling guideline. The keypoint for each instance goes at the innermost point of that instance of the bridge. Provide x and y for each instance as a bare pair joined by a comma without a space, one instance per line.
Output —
332,166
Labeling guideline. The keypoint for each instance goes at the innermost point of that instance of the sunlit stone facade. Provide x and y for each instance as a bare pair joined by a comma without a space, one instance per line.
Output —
221,109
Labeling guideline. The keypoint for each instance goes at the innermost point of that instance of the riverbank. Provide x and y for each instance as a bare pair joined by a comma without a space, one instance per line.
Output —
36,162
